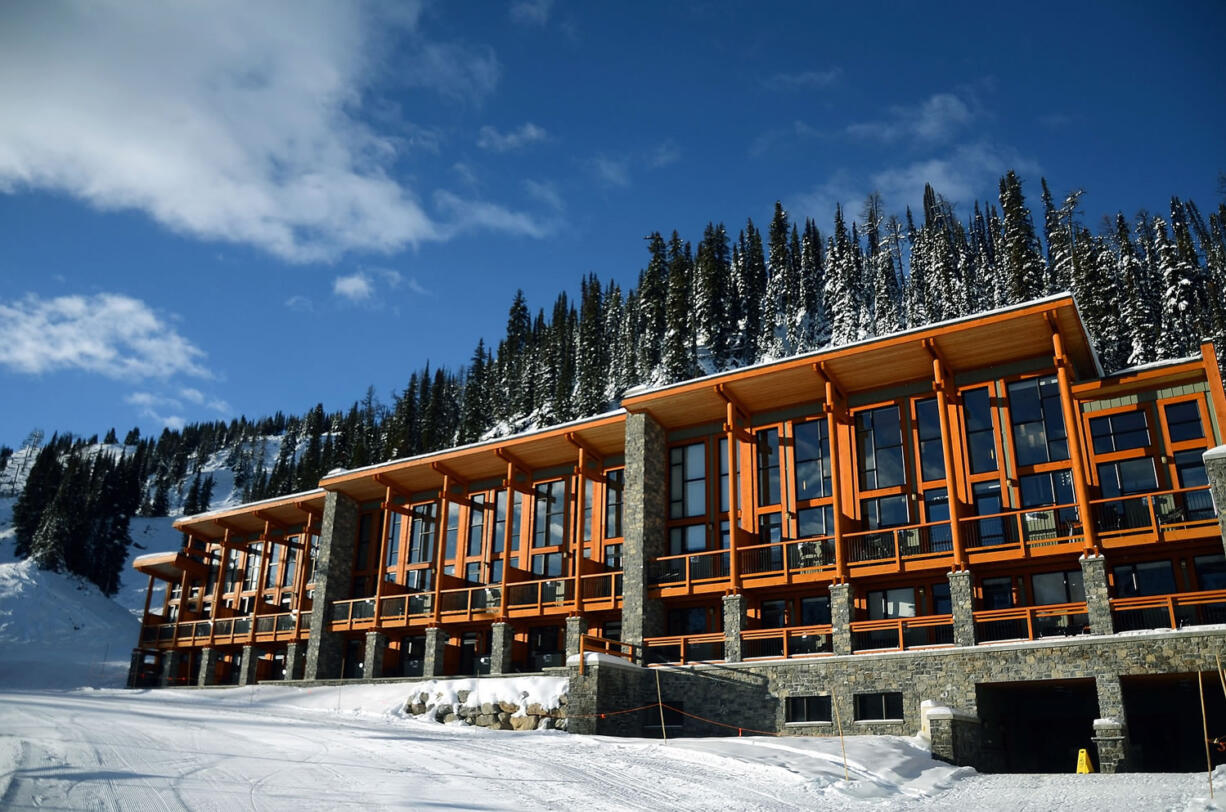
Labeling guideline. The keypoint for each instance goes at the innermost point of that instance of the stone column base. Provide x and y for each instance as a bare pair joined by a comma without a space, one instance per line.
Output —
1111,741
376,647
246,669
734,624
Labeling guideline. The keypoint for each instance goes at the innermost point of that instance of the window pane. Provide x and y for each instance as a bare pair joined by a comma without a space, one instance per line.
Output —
1190,468
815,521
1183,422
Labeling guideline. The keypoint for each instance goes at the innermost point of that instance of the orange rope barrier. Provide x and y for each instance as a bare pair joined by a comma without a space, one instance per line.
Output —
741,731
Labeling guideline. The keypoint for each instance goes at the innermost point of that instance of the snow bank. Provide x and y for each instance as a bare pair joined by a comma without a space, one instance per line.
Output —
523,692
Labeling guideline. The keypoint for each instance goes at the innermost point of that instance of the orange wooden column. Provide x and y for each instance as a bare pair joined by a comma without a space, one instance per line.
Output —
942,382
832,406
734,434
1072,422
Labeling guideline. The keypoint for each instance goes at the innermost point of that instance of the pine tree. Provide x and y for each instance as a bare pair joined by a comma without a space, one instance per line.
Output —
1178,336
712,299
679,358
1019,258
887,295
753,296
41,487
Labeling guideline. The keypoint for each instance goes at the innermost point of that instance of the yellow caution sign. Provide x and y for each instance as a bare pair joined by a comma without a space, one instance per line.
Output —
1084,765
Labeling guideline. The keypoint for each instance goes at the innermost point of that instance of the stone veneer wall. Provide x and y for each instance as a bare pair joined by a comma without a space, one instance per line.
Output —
333,578
751,695
644,525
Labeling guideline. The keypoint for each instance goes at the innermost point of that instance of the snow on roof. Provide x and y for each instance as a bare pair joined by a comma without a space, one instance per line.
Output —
246,506
1155,365
474,445
643,389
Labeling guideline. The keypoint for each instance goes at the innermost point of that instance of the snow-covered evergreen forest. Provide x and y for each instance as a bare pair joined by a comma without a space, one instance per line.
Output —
1149,287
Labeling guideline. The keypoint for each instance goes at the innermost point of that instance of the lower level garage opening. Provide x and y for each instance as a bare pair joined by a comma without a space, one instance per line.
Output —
1164,722
1036,727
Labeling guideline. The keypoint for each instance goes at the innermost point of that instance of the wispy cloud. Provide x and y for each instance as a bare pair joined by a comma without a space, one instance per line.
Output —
495,141
418,288
254,132
612,171
546,193
468,214
665,154
108,334
357,287
936,118
809,79
531,12
767,141
300,304
967,172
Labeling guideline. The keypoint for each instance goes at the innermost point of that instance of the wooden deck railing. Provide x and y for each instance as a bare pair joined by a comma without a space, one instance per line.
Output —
793,641
688,568
913,541
1031,622
1169,611
603,645
1158,516
901,633
682,649
787,559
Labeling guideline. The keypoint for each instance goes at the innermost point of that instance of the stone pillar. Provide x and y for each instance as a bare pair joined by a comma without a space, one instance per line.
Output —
645,526
376,647
576,627
1098,597
962,605
134,667
436,650
246,668
172,662
1110,729
734,623
842,610
295,654
208,667
333,579
1215,467
502,636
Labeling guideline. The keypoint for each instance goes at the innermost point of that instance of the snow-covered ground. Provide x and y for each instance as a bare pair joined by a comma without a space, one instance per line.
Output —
70,739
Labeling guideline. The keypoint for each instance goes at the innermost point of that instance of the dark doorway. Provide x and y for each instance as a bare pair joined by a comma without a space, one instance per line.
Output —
1164,722
1036,727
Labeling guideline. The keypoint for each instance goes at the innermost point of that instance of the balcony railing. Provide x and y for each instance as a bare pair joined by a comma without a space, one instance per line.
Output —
1155,513
1031,622
787,558
688,568
795,641
926,540
682,649
477,601
1169,611
601,589
548,592
1026,531
900,633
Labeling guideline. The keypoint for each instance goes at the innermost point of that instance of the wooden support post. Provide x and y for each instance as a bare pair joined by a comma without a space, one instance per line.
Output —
577,546
380,571
148,600
440,545
300,574
943,384
1072,422
832,407
734,530
265,558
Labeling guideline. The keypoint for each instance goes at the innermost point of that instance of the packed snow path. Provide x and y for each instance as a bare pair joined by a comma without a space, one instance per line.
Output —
280,748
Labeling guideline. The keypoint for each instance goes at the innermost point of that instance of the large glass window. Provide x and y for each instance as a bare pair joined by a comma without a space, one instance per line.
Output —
421,534
812,460
936,509
932,457
768,467
774,614
980,438
808,709
366,529
692,538
885,511
615,483
1127,476
878,706
1058,587
1146,578
1038,421
393,540
1119,432
942,603
451,538
815,611
550,527
1190,468
687,492
891,603
476,524
1210,571
815,521
1183,422
770,528
290,562
997,593
879,437
988,502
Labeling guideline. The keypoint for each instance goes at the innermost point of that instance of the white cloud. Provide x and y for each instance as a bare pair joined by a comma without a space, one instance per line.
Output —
107,333
468,214
805,79
531,12
665,154
418,288
546,193
968,172
356,287
232,121
220,406
300,304
936,118
612,171
192,395
528,133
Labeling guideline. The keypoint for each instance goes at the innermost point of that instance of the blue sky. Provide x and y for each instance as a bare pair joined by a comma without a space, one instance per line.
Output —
209,210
